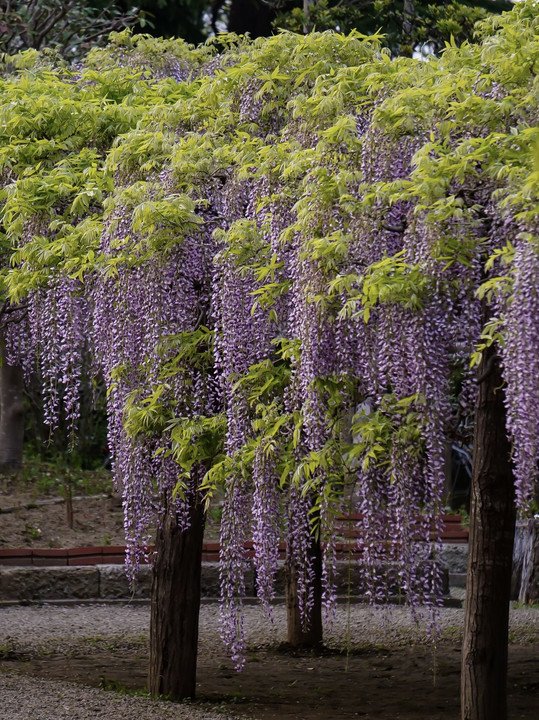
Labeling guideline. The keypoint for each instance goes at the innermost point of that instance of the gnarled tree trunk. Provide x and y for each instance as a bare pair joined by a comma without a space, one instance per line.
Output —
492,525
311,635
176,606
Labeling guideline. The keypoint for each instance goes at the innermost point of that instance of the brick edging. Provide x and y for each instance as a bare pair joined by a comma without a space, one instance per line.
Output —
453,533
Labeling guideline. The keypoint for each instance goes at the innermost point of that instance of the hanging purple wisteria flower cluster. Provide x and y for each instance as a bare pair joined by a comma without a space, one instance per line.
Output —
134,313
52,333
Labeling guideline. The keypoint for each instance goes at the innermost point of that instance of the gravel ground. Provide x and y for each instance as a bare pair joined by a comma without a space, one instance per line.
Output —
25,698
59,629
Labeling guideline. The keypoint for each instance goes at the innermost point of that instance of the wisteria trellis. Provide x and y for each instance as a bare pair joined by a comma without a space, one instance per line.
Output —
336,224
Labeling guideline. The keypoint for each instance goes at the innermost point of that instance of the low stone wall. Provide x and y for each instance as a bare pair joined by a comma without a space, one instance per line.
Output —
109,582
103,581
99,582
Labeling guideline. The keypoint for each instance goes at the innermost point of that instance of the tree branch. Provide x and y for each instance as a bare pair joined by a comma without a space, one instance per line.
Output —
394,228
44,30
6,308
489,368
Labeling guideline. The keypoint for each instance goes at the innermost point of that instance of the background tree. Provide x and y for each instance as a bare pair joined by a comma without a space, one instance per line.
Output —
11,411
72,28
187,19
406,25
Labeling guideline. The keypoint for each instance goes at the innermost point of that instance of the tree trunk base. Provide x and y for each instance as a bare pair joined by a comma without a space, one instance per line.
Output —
175,607
310,634
490,554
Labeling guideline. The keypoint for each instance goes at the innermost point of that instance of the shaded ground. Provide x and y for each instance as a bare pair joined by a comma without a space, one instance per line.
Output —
390,673
34,512
381,683
380,680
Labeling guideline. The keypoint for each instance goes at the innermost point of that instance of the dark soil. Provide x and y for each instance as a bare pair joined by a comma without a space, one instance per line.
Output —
377,683
37,518
42,522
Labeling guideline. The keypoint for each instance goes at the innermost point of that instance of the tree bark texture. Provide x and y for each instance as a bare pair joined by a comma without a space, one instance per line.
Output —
175,607
525,579
307,14
408,23
11,415
299,635
492,527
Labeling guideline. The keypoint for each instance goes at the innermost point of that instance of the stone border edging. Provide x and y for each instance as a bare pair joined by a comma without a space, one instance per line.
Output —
96,555
453,534
84,583
98,581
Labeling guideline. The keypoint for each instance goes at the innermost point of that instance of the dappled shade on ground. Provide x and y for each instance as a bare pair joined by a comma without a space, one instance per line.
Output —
374,682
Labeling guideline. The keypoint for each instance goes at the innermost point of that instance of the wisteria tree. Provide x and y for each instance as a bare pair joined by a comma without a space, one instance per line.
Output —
288,253
54,135
62,129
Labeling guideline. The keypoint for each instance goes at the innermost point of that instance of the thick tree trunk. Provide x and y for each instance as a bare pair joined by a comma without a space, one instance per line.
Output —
408,23
525,579
11,415
175,607
311,635
307,14
249,16
492,526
